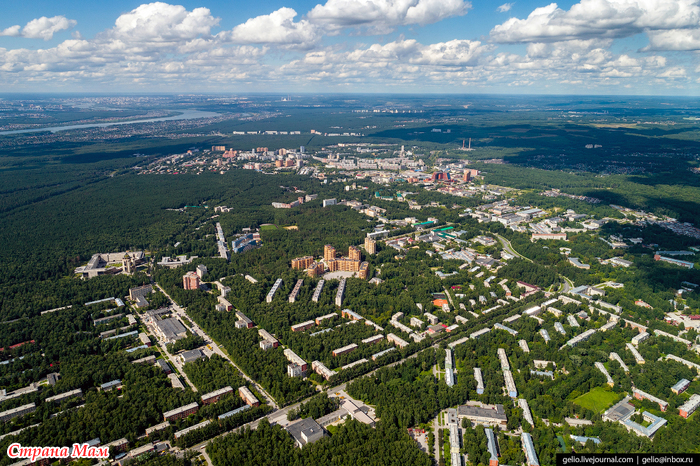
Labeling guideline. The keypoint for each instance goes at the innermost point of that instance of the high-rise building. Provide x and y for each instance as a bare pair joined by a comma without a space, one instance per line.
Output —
301,263
190,281
354,253
467,176
328,252
370,246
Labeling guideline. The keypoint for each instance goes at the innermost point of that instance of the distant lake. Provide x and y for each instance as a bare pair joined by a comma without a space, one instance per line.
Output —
185,115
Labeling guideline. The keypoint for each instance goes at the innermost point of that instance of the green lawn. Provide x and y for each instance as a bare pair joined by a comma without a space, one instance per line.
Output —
267,227
598,399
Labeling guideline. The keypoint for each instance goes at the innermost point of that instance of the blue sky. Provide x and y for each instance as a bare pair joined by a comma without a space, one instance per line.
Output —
647,47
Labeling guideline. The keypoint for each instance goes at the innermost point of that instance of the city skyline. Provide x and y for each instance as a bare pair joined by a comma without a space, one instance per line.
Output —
603,47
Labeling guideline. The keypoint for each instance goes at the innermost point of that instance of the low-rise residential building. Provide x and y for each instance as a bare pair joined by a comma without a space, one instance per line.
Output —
601,368
529,449
616,357
344,349
183,432
213,397
397,340
322,370
64,396
681,386
247,396
479,381
637,356
689,406
16,412
181,412
640,395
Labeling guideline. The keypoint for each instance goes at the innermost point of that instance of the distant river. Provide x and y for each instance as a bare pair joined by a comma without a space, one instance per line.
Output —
186,115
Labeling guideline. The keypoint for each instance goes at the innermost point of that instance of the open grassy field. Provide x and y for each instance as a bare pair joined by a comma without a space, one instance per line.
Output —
598,399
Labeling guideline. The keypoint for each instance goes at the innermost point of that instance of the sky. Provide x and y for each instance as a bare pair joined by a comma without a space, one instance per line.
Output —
604,47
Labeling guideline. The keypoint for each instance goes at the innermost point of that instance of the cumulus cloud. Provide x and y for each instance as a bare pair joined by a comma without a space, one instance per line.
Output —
452,53
674,39
40,28
598,18
384,15
162,22
505,7
276,28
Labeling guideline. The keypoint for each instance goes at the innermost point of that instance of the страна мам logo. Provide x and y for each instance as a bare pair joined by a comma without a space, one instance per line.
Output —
79,450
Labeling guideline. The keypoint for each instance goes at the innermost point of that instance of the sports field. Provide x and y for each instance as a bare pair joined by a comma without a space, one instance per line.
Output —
598,399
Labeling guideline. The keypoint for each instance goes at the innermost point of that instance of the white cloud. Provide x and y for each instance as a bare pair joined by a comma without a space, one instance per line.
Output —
381,16
598,19
452,53
40,28
276,28
505,7
674,39
162,22
13,31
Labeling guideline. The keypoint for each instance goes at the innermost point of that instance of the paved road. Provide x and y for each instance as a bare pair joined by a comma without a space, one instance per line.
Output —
566,286
217,349
509,248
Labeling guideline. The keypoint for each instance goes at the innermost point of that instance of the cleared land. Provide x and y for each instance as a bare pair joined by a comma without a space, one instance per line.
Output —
598,399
